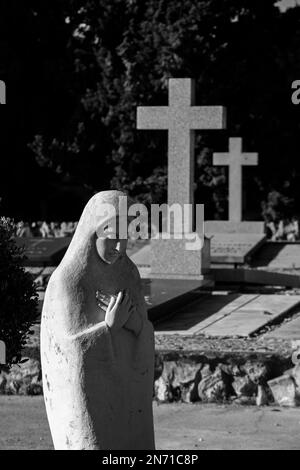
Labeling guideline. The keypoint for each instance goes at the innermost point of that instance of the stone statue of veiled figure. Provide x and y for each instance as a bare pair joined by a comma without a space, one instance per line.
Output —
97,344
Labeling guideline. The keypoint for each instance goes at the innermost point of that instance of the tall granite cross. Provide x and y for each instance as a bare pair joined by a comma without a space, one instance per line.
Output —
181,118
235,159
171,259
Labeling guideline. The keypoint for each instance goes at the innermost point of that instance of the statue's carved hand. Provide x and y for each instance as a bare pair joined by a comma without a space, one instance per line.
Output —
121,312
118,310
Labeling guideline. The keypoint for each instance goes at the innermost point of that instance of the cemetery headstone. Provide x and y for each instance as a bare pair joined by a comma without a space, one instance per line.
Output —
43,251
97,344
235,160
234,249
169,257
278,256
235,241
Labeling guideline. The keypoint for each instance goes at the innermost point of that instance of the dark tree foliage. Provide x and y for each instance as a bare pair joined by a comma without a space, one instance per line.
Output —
95,61
18,297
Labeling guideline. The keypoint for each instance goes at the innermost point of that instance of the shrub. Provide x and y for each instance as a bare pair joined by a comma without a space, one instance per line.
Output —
277,207
18,296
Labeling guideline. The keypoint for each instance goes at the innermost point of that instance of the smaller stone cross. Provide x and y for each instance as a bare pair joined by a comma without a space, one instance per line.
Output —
235,159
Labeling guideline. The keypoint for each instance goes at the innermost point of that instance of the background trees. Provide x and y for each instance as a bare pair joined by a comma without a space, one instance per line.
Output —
76,71
18,296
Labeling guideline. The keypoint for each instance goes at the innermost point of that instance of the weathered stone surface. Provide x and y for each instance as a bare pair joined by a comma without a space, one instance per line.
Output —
185,372
262,396
162,390
178,382
284,391
163,385
296,375
158,366
189,393
234,248
3,382
214,387
97,344
243,385
257,372
230,227
206,371
171,260
296,351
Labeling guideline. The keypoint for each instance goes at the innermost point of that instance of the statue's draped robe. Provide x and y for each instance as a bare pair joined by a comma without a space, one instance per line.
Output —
98,383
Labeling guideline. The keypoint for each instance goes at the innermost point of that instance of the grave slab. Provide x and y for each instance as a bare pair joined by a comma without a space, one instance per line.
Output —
278,255
289,331
254,276
226,226
228,315
248,319
227,274
164,296
235,248
43,251
203,312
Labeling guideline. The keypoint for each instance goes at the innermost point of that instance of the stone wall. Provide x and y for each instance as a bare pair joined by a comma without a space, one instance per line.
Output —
192,377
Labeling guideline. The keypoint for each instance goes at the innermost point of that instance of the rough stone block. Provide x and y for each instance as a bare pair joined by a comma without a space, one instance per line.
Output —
257,372
284,391
296,375
214,387
243,386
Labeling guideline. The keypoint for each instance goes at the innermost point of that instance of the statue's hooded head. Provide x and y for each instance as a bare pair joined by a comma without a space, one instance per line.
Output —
102,228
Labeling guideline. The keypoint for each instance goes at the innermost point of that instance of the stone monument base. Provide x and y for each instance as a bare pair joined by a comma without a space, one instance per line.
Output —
226,226
184,258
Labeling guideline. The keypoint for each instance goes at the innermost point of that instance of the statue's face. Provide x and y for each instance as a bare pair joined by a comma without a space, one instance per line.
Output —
109,246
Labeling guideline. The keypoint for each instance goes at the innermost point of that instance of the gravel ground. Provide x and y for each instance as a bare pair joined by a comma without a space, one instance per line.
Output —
24,426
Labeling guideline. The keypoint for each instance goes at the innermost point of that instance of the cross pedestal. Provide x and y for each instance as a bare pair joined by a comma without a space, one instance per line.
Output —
181,119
